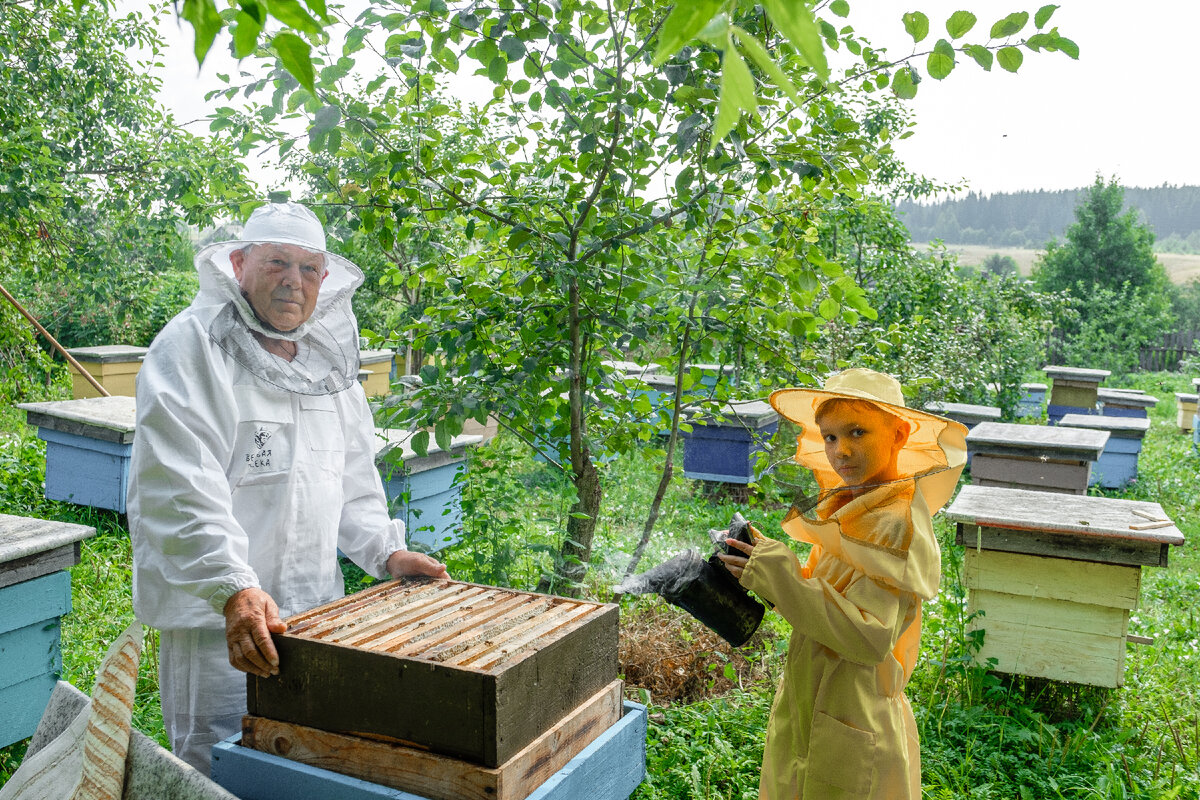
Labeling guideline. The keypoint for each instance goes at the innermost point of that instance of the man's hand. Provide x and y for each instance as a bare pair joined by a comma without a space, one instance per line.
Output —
404,562
251,616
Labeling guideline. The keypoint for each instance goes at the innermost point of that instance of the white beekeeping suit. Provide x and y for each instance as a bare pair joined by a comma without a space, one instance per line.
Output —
248,470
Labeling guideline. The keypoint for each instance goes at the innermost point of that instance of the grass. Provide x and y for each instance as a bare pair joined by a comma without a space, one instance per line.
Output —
1181,267
983,735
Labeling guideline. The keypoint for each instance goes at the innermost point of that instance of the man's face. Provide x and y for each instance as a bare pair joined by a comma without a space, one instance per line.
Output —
861,443
280,281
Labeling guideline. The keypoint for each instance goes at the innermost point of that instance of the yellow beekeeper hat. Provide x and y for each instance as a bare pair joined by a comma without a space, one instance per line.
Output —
934,454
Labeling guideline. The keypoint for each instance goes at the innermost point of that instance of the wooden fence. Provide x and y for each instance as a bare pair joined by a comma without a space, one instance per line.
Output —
1166,355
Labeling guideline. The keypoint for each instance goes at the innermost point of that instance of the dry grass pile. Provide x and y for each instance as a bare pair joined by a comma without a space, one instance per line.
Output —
678,660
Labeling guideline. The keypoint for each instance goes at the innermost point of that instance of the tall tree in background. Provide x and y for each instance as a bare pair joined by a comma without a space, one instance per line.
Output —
1121,292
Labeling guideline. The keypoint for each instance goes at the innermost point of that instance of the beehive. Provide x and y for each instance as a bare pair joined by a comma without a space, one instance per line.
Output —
1043,457
114,366
473,672
1073,390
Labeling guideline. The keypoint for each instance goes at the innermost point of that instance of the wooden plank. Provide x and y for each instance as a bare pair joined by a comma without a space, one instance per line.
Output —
1076,657
111,419
434,776
1025,473
31,651
609,768
1089,517
20,570
1065,546
24,536
1112,585
1048,615
21,707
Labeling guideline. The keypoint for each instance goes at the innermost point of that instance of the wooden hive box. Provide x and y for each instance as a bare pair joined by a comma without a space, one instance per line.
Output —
1118,464
485,671
88,447
1185,410
114,366
423,490
1033,397
1055,577
968,414
1073,390
1125,403
380,366
1043,457
723,449
35,592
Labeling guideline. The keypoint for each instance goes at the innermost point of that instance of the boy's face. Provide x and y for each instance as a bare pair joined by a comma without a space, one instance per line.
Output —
861,443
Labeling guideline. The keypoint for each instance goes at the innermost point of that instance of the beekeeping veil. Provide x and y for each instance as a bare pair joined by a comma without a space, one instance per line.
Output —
327,342
868,530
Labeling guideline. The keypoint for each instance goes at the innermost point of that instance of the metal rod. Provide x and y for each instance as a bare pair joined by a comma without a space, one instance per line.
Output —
70,359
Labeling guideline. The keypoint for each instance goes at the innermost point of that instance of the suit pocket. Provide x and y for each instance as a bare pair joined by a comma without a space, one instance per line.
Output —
840,757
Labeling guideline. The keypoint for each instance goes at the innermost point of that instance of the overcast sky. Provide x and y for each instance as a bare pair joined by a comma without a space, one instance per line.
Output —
1124,109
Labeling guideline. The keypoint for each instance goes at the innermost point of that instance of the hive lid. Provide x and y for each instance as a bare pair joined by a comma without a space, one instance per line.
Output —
1037,439
26,536
1027,510
1131,427
110,419
1076,373
105,353
1126,397
963,409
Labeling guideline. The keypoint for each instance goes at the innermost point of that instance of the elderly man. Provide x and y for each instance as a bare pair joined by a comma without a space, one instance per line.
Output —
253,464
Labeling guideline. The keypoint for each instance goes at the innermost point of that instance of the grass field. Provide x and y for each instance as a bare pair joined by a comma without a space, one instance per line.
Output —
1181,267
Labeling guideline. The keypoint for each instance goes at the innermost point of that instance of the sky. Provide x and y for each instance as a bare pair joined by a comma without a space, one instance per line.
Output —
1122,110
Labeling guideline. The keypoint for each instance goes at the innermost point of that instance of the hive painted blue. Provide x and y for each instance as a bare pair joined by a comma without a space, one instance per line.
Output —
1118,463
424,491
723,448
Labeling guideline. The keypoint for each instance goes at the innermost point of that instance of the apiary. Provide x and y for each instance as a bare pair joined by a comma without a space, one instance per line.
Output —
472,672
1055,577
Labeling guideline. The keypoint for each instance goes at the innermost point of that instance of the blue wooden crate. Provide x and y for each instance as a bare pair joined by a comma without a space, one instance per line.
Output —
30,650
609,768
724,450
1118,463
87,471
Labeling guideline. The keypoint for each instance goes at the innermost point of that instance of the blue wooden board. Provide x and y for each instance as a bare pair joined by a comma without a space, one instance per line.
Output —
723,453
1114,470
34,601
30,651
90,472
1056,412
610,768
21,707
1112,411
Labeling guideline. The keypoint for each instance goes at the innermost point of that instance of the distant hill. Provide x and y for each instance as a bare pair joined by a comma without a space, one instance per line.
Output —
1030,219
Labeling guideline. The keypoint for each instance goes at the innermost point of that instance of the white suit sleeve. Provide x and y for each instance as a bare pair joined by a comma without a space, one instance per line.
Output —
181,512
859,622
367,534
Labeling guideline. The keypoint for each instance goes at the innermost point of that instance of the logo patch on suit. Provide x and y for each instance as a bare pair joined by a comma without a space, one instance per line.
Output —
260,457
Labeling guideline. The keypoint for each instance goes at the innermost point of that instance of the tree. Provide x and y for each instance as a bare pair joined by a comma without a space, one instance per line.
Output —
94,177
606,206
1105,247
998,264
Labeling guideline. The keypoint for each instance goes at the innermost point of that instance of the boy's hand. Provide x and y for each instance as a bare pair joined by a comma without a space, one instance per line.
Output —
736,564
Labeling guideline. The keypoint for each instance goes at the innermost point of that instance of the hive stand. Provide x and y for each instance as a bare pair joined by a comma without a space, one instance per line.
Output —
381,368
1072,390
88,445
1118,464
609,768
1042,457
723,448
1125,403
114,366
1033,397
35,592
966,413
1055,577
1185,410
423,490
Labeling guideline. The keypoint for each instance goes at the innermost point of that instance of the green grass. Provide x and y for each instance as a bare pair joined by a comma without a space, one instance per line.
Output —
983,735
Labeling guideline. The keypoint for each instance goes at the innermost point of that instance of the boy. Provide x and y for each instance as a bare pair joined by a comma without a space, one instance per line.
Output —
841,726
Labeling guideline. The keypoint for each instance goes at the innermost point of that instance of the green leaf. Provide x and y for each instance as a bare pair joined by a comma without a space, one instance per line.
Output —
917,25
960,23
796,20
498,69
904,83
1068,46
441,434
205,22
420,443
245,34
292,14
1010,58
296,57
317,7
1010,25
754,48
840,7
687,18
982,56
737,93
1043,16
941,60
327,117
828,309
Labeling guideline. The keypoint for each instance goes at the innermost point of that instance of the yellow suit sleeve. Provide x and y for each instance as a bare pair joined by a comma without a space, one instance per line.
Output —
860,622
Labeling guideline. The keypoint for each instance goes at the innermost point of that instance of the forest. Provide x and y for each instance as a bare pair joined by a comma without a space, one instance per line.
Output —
1030,219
